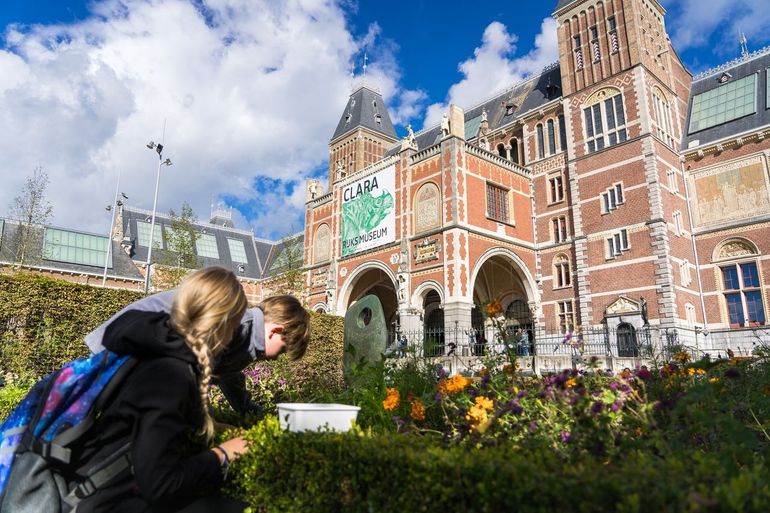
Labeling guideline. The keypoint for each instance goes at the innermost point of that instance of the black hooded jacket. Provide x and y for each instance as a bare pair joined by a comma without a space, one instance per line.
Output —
158,410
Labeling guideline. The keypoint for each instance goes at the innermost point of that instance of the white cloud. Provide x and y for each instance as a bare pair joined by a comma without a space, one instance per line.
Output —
693,26
247,89
494,66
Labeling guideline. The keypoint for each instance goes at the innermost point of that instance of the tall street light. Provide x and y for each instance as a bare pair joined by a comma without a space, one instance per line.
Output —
116,203
159,150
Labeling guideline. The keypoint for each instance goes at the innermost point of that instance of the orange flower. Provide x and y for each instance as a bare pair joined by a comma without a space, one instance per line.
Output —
494,308
571,382
418,410
478,416
393,399
453,385
682,356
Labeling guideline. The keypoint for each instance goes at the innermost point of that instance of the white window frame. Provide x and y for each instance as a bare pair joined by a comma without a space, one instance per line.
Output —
612,198
603,139
684,273
565,315
617,244
678,227
689,310
505,204
559,234
577,46
556,188
673,181
562,274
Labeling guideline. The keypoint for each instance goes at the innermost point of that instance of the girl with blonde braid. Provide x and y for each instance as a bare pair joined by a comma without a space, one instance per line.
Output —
162,408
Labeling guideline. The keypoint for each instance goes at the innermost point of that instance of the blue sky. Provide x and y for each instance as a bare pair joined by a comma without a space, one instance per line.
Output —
252,91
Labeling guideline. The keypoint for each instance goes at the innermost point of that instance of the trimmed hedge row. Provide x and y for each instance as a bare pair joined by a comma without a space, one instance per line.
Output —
43,321
358,472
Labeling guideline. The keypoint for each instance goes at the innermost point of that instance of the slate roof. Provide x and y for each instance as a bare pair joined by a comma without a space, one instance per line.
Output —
361,111
251,269
122,266
757,63
562,4
277,261
525,97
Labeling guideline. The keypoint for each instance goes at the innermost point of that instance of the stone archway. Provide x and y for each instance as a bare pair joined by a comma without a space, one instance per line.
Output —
372,279
501,274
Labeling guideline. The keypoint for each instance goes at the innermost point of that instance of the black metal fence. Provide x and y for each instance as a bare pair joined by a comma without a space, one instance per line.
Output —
644,343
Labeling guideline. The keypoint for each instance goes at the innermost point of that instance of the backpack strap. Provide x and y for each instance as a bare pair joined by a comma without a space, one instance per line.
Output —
74,433
101,477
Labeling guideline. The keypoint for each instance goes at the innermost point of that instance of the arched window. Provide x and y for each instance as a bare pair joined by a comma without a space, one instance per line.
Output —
514,150
322,244
561,271
742,288
627,345
427,211
502,151
540,142
551,138
562,133
605,119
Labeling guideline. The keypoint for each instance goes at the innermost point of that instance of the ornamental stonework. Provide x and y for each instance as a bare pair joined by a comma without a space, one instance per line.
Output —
322,245
427,208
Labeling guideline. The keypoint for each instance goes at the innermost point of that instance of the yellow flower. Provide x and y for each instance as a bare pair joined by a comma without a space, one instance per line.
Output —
713,380
453,385
485,402
700,372
691,371
393,399
571,382
682,356
418,410
478,414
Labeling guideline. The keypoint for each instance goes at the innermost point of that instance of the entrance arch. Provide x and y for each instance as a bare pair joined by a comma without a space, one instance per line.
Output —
501,274
371,278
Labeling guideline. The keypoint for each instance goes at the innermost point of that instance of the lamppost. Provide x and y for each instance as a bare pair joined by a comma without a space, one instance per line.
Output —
116,203
159,150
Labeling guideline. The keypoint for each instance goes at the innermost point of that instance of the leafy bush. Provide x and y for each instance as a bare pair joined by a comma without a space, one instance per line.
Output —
43,321
362,472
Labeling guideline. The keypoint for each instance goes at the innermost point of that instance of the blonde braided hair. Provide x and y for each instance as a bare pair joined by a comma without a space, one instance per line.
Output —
207,309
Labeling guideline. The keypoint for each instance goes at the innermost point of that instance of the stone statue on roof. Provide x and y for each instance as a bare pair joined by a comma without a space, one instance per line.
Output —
445,125
483,115
339,173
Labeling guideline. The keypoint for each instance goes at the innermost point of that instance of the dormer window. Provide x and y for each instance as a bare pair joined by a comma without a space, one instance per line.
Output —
348,117
724,78
378,119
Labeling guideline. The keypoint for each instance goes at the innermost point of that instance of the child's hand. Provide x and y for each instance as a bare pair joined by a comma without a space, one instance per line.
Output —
234,447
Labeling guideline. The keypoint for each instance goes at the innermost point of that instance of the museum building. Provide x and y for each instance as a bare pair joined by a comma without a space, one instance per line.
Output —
612,190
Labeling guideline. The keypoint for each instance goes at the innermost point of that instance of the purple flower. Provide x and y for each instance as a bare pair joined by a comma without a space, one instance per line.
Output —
439,397
517,410
565,436
597,407
614,385
617,405
533,426
521,394
644,374
594,359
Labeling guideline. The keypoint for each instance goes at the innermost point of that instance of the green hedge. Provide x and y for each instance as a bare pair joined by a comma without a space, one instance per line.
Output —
43,321
358,472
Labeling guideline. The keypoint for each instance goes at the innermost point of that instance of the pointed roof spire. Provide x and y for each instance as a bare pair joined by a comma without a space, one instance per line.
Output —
366,58
365,108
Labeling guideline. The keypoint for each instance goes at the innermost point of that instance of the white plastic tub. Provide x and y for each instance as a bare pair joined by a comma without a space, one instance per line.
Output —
315,416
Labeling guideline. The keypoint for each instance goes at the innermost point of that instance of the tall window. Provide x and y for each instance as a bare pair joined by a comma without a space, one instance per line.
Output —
551,138
627,346
502,151
684,273
743,294
678,229
689,312
605,123
514,150
497,203
562,133
561,273
612,25
665,129
578,53
559,229
143,234
617,244
565,316
595,44
724,103
237,251
673,183
612,197
206,246
555,188
540,142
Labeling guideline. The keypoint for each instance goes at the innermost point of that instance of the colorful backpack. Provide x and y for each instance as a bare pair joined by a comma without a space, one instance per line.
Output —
39,440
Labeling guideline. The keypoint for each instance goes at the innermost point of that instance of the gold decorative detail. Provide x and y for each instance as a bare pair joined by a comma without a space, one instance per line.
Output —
426,251
623,305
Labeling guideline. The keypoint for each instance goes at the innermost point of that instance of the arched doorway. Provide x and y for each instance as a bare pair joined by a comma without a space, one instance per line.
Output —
501,275
377,281
433,325
627,346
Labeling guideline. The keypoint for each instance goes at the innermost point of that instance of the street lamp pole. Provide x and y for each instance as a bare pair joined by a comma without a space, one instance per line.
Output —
112,207
159,150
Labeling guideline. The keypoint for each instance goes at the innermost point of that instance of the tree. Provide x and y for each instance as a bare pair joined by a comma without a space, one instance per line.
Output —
31,210
287,268
181,257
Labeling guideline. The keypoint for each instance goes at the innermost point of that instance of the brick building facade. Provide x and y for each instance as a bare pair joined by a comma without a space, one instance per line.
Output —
613,189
